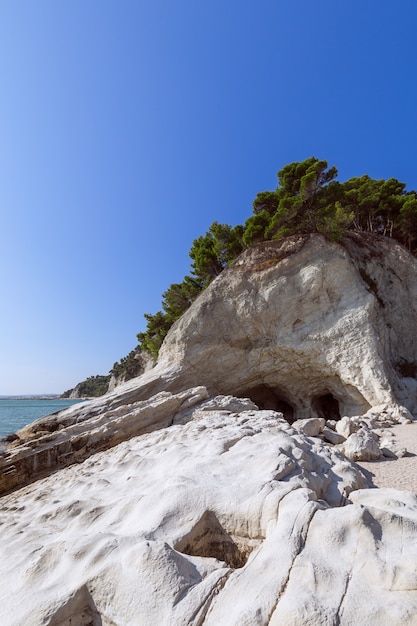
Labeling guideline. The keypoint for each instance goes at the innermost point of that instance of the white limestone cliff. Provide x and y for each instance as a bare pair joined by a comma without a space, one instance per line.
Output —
302,325
183,504
310,326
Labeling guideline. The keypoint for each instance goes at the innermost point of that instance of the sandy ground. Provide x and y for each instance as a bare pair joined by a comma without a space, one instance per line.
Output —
398,473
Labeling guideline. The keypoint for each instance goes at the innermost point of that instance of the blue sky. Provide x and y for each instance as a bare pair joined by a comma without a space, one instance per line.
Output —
128,127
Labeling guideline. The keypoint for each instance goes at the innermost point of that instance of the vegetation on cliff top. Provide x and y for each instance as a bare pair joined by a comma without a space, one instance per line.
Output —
92,387
308,199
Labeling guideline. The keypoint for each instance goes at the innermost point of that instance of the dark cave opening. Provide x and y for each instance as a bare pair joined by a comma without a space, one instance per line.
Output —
268,398
326,406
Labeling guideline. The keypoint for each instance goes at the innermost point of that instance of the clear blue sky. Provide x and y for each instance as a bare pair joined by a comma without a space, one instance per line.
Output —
127,127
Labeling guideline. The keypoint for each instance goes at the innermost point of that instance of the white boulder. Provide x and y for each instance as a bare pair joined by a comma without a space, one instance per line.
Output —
361,446
391,448
332,437
311,427
346,427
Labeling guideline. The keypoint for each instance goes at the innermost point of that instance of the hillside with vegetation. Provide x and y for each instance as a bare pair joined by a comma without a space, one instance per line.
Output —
92,387
307,199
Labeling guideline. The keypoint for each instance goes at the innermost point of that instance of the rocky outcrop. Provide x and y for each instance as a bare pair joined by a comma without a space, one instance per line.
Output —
306,326
60,441
226,518
91,387
183,503
302,325
74,394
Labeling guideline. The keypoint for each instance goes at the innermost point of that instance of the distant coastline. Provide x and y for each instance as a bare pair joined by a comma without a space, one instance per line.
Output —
40,396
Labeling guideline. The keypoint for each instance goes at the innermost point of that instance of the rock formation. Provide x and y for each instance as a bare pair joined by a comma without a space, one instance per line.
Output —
305,326
191,500
302,326
227,519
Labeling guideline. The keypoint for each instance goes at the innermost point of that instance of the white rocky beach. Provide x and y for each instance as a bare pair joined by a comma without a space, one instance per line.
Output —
232,518
263,472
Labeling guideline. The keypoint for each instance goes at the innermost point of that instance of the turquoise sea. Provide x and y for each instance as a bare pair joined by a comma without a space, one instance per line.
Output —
17,412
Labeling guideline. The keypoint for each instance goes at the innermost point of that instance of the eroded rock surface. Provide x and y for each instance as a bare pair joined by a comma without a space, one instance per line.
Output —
307,327
227,519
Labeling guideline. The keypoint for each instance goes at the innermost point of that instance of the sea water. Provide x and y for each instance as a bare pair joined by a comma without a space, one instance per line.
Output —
16,413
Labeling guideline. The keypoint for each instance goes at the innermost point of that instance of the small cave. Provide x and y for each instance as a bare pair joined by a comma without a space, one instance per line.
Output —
326,406
208,538
268,398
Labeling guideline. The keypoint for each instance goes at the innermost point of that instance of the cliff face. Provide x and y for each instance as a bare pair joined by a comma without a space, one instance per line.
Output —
186,505
301,326
135,364
305,326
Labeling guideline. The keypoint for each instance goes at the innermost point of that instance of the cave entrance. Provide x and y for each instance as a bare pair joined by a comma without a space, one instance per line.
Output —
326,406
268,398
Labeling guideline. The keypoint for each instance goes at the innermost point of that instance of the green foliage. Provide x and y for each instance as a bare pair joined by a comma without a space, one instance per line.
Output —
176,300
212,252
255,227
179,297
375,203
156,329
301,202
266,201
407,221
338,222
129,366
307,199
